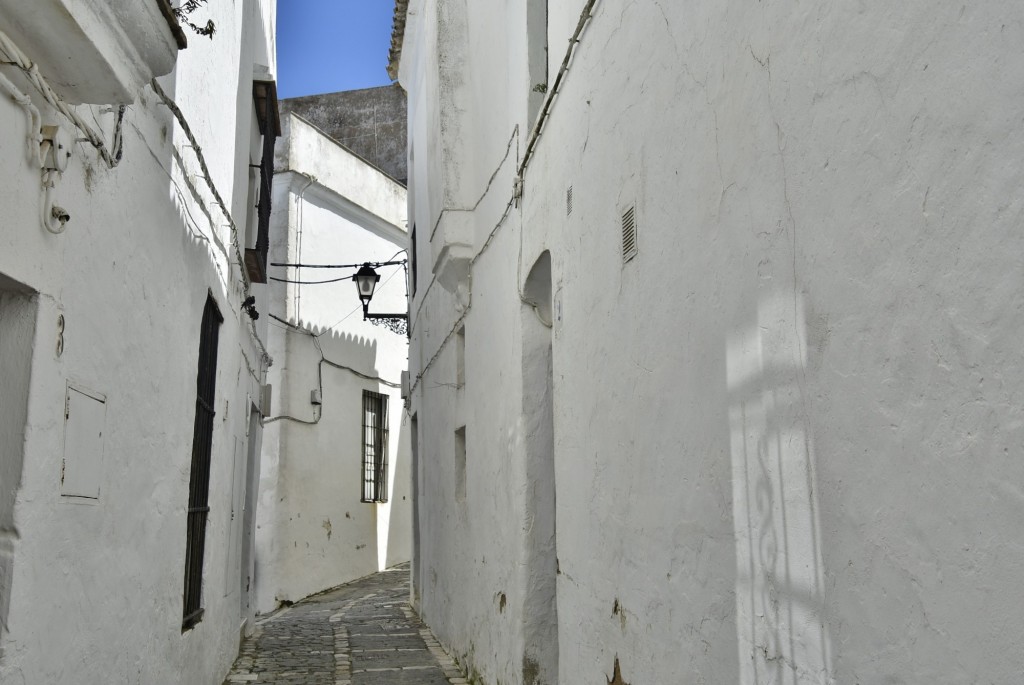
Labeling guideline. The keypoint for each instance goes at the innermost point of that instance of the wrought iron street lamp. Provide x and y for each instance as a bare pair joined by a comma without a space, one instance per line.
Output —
366,282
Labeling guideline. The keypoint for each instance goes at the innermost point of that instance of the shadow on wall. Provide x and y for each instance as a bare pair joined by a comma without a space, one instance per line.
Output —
780,622
201,230
332,532
193,204
346,348
17,331
398,533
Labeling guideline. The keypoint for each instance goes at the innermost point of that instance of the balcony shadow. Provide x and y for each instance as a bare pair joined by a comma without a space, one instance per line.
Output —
780,617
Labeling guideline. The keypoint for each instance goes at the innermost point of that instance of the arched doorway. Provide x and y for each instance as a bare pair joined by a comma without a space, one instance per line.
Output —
540,610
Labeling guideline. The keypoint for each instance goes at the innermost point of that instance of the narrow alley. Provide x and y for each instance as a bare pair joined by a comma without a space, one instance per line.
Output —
531,342
361,633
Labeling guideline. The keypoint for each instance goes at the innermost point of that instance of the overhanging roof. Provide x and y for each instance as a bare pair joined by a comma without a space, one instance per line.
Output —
397,37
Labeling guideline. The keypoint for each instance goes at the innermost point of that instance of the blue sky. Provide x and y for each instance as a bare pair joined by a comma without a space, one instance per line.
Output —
329,45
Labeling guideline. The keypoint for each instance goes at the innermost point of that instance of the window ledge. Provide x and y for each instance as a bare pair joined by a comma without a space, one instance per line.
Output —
90,51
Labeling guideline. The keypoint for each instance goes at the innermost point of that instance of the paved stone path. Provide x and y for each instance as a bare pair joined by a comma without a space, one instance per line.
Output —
362,633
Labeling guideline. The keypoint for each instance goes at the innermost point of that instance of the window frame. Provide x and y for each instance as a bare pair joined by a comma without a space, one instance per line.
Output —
269,124
198,510
374,472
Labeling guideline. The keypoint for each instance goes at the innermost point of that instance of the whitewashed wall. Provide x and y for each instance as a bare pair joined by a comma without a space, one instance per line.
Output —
96,589
314,532
786,434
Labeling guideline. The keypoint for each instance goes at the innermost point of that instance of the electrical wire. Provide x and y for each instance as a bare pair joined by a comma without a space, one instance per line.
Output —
299,214
35,125
113,155
176,111
288,280
347,277
469,305
344,318
325,360
344,266
318,409
358,308
531,143
19,59
585,16
183,122
487,188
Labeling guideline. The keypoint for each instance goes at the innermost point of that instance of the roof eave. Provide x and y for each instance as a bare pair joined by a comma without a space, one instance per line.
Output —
397,37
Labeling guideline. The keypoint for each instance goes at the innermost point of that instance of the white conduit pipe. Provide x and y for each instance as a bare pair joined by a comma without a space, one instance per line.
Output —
53,218
35,135
21,60
585,16
206,176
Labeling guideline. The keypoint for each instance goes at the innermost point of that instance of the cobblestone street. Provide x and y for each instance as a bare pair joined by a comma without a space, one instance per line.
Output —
362,633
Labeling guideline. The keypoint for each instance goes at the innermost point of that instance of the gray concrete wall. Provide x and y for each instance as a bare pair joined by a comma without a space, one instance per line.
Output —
370,122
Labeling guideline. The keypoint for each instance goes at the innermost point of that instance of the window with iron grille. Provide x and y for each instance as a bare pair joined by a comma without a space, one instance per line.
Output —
267,116
199,482
375,447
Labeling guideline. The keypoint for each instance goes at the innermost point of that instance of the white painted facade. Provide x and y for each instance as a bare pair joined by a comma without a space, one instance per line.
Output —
99,340
782,442
314,532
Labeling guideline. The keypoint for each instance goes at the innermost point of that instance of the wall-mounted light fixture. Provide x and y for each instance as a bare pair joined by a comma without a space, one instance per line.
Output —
366,282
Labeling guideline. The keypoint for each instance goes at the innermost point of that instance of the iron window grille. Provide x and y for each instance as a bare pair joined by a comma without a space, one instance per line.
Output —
199,482
375,447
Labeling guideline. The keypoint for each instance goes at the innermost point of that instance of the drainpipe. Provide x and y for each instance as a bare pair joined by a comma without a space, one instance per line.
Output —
298,243
585,16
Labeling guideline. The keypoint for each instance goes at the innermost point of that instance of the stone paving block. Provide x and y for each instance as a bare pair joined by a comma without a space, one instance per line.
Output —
400,678
386,641
393,658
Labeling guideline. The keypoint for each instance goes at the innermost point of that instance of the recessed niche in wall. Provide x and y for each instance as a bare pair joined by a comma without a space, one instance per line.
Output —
460,464
460,357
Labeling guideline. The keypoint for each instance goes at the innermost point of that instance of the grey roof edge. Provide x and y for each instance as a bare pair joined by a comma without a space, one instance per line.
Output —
295,98
346,148
397,37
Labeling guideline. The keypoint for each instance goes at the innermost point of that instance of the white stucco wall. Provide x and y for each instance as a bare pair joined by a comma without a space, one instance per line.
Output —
314,532
96,588
785,433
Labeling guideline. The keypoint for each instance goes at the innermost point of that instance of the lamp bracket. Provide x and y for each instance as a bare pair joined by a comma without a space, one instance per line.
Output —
396,323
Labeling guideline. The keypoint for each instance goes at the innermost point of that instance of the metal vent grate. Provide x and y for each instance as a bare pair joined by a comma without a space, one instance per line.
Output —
568,201
629,234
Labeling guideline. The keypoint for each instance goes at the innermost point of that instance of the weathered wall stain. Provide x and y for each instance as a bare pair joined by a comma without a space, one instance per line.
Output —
616,678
